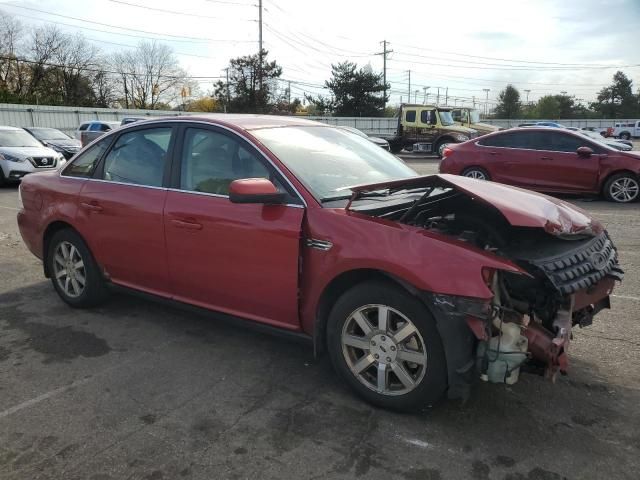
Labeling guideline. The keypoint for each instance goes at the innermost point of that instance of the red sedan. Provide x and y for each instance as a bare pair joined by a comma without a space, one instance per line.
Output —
548,160
414,285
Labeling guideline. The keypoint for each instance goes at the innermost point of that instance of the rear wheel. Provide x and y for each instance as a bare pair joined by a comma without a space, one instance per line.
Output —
622,188
385,344
476,172
3,181
74,273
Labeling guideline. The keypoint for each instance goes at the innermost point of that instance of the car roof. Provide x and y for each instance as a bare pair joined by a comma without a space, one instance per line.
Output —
7,127
244,121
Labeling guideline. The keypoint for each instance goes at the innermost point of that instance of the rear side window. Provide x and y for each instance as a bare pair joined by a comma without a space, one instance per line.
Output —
103,127
410,116
83,127
138,157
85,163
524,140
427,116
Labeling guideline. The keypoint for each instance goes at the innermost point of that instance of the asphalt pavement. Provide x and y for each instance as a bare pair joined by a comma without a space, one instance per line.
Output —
136,390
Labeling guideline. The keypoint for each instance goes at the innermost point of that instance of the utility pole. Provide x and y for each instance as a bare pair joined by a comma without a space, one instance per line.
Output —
384,54
474,101
424,100
415,98
409,97
226,105
289,90
446,96
486,103
438,97
527,92
260,43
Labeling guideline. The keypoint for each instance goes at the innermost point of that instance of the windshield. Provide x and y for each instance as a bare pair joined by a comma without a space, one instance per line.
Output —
445,118
475,116
328,159
49,134
17,138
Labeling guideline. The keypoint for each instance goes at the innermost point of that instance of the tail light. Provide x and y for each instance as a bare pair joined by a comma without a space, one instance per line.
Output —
447,152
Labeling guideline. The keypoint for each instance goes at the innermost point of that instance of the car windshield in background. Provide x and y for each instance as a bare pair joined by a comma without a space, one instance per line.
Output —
445,118
328,159
475,116
49,134
17,138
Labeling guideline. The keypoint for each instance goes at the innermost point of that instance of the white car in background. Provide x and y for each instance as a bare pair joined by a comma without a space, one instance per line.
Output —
21,153
622,146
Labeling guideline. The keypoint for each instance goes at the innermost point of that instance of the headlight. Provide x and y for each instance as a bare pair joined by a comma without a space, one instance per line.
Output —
11,158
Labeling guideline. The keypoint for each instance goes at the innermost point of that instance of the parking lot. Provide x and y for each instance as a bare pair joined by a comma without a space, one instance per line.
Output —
138,390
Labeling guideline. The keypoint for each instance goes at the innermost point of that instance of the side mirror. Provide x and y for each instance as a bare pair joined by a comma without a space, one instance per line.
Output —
255,190
584,152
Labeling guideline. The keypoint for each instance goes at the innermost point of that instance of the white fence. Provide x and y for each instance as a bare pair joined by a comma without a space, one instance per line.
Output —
67,119
567,122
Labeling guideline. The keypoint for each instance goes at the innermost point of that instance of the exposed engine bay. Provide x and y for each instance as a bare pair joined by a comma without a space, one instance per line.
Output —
530,317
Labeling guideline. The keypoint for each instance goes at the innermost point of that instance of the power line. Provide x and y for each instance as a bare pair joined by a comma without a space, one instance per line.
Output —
200,39
172,12
497,59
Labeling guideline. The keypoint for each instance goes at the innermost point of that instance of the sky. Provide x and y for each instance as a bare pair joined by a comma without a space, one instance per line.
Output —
457,48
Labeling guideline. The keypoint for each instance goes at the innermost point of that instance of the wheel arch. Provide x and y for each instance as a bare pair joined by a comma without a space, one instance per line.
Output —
605,179
337,286
49,232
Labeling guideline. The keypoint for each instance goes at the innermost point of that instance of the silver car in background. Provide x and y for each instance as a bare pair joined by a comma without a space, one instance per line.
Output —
20,154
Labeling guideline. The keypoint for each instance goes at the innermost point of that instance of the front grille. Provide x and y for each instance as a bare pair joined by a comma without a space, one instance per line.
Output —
584,267
43,162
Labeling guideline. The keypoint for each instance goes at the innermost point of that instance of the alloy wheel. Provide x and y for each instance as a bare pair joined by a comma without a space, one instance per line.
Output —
477,174
69,269
384,350
624,189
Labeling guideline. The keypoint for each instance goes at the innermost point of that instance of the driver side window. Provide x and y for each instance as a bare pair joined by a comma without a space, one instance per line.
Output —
212,160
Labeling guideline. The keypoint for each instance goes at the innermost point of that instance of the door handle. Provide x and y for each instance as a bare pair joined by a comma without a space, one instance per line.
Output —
187,225
546,158
92,207
493,153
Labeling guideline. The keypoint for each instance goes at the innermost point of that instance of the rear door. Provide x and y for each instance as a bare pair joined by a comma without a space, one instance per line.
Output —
508,158
241,259
121,208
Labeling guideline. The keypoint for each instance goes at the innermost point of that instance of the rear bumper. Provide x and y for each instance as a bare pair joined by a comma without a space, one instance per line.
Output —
30,233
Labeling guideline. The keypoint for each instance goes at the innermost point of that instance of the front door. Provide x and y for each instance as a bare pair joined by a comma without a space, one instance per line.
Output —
241,259
121,209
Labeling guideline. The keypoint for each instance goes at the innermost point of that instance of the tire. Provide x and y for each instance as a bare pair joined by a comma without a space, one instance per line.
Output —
3,181
405,386
625,136
68,249
395,147
477,173
622,188
440,146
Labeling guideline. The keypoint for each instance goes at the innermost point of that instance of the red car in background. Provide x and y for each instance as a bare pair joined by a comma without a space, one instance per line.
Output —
547,160
415,285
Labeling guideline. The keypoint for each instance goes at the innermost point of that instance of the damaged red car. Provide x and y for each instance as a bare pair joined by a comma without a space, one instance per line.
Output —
414,285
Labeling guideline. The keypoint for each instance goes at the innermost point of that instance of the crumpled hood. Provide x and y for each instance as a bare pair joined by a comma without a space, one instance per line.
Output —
520,207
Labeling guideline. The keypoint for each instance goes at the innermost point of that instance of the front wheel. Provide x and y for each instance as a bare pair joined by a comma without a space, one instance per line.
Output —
439,147
622,188
74,273
385,344
625,136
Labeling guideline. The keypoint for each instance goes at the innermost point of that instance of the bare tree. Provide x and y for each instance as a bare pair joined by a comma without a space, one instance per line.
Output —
45,44
148,75
11,35
78,62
